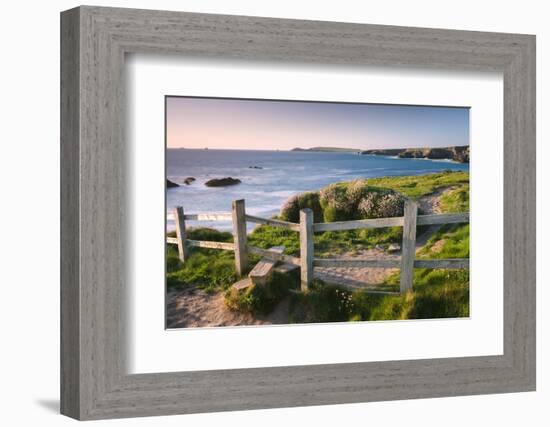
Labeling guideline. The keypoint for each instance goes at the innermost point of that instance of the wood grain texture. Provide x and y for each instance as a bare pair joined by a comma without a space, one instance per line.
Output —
408,246
358,224
239,236
443,219
211,245
181,235
70,219
306,248
356,263
274,255
273,222
221,216
94,380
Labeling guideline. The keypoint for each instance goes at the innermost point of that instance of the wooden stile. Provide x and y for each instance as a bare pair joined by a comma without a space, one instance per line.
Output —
306,248
306,228
239,236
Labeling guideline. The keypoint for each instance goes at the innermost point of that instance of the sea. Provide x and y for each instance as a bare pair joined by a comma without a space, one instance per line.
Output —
268,178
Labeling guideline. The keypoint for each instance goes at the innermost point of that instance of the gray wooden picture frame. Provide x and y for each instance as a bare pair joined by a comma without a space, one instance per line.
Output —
94,41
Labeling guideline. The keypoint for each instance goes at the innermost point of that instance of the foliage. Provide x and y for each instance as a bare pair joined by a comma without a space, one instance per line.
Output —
335,203
291,208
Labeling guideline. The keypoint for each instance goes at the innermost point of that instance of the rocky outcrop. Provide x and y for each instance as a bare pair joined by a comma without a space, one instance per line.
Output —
255,167
170,184
458,154
222,182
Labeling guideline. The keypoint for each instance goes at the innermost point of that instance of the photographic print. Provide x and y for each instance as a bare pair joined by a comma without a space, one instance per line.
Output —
289,212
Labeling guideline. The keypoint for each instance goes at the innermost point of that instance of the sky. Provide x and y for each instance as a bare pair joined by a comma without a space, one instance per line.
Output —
244,124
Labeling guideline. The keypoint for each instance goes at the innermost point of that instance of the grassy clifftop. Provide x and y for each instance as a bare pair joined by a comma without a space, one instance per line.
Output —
437,293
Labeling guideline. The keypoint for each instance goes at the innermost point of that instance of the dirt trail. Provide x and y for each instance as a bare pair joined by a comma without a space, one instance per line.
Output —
194,308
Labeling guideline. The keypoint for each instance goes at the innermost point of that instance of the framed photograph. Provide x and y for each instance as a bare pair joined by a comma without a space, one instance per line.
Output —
261,213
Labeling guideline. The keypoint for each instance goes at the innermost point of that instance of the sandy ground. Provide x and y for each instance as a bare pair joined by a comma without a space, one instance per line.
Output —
194,308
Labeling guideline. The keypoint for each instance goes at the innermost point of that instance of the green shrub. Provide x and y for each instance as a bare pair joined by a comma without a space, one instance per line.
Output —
378,203
335,203
291,208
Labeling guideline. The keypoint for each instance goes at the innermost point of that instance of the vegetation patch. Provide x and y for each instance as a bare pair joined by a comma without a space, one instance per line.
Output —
207,269
261,299
416,186
437,294
456,200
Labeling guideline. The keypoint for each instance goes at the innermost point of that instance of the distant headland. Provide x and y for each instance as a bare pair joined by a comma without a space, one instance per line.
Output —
459,153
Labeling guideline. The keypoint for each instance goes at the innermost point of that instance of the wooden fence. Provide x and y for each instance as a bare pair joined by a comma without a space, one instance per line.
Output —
306,228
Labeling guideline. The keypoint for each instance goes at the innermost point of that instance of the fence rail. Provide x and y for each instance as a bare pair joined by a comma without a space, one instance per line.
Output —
306,229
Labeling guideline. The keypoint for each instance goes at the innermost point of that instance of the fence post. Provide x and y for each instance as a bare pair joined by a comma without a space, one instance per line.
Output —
408,246
306,248
239,236
180,233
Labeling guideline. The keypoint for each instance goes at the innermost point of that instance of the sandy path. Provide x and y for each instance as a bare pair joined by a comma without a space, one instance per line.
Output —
193,308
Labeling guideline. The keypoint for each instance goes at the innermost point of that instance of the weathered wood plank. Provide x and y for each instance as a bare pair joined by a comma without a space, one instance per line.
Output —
211,245
458,263
172,240
262,271
180,233
408,247
219,216
242,284
274,222
453,218
358,224
356,263
306,248
238,216
274,255
286,268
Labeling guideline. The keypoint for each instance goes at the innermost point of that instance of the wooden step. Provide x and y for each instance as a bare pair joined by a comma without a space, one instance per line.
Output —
242,284
286,268
261,273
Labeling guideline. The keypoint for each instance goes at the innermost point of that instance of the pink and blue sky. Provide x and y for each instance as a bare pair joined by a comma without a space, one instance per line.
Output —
282,125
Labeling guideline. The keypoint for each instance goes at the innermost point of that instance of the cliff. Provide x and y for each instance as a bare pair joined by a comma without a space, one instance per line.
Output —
458,153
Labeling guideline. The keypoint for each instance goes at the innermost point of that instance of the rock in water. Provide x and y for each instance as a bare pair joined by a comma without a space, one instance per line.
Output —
189,180
170,184
222,182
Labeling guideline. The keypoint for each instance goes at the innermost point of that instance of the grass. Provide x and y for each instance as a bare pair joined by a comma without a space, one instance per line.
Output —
416,186
456,200
437,293
208,269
